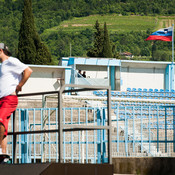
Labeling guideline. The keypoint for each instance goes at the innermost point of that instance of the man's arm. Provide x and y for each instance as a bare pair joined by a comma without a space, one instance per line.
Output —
26,74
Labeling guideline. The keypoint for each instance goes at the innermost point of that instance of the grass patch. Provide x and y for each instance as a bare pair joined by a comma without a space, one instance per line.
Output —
115,23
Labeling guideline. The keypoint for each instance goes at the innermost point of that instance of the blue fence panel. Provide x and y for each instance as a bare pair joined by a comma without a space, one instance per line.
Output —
138,131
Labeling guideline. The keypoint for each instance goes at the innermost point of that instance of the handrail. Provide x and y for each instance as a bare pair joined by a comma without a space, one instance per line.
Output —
37,93
61,128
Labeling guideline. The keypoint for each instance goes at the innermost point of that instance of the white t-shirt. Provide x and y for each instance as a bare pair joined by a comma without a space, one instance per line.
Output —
10,75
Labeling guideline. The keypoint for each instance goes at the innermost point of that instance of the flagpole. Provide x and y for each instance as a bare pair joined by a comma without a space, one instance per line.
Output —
172,65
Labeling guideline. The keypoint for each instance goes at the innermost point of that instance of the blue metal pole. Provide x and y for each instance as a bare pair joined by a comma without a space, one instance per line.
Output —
104,159
165,129
126,133
72,150
24,138
34,140
112,77
94,136
19,119
49,135
157,129
117,128
98,137
79,143
42,143
174,128
141,129
172,65
133,129
149,131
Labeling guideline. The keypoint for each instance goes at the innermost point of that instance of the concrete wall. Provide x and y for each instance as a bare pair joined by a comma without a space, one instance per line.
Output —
56,169
142,78
128,73
143,74
144,166
44,78
133,74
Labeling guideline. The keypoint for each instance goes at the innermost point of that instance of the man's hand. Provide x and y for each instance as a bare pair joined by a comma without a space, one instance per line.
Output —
18,88
26,74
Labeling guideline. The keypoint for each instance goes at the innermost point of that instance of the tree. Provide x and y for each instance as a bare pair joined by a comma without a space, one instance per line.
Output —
30,48
96,51
102,46
107,49
135,50
145,51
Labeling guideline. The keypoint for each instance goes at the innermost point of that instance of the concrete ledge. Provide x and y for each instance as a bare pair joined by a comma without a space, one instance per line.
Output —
144,166
20,169
78,169
56,169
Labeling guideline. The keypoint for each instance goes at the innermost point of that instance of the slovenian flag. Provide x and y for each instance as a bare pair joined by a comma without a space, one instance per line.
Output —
164,34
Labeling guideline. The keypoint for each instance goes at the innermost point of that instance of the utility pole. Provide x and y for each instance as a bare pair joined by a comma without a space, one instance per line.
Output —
70,49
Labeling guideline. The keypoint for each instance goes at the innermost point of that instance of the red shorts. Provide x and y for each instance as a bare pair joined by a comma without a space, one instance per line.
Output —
8,105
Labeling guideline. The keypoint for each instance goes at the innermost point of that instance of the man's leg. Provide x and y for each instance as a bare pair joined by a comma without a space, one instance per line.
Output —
2,130
4,145
7,107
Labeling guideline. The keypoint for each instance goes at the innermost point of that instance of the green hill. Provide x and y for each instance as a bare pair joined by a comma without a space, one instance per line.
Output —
115,23
65,22
128,33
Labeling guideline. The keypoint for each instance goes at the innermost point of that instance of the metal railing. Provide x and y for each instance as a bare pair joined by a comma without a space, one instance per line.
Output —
61,127
138,131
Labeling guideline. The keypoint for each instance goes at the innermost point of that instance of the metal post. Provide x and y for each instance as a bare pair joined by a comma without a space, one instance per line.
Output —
14,140
43,126
133,129
165,130
126,133
141,129
60,125
109,124
157,129
72,140
174,128
117,115
103,139
82,147
95,146
149,121
98,137
172,65
64,140
86,137
24,140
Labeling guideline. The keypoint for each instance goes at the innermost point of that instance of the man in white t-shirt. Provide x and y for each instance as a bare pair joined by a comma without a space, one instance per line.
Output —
13,75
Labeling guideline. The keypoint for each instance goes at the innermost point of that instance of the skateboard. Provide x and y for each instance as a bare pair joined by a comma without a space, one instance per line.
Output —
4,159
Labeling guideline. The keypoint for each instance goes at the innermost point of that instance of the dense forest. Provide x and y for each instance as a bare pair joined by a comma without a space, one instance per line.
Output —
50,13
